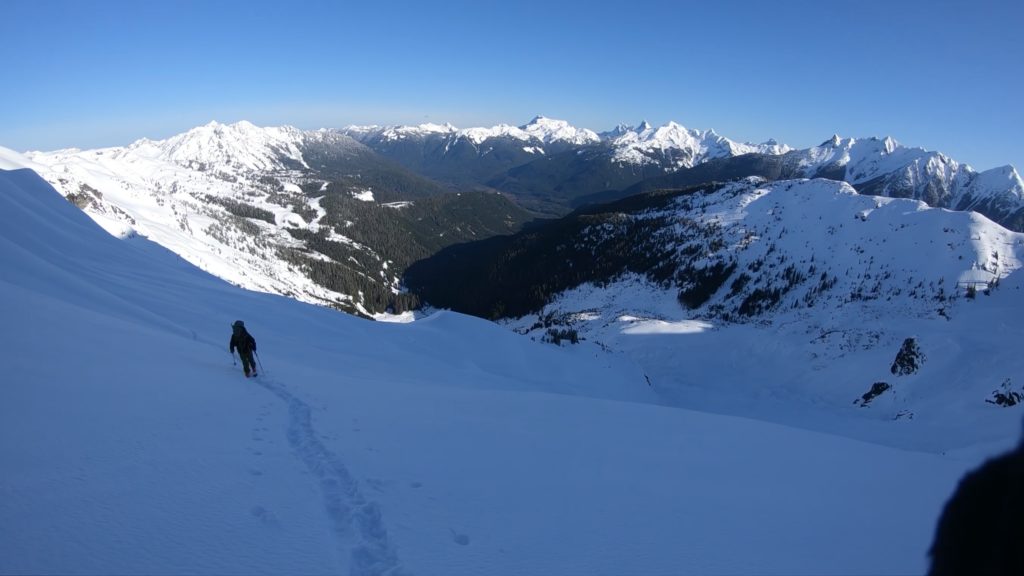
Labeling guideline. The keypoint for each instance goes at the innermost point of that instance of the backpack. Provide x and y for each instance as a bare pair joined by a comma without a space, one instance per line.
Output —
241,337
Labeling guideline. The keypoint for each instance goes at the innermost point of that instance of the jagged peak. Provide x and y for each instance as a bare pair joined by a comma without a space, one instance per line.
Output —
890,144
241,143
216,127
550,130
1006,173
434,127
541,119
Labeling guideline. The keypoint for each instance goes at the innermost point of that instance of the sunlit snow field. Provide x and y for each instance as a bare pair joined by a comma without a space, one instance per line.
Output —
130,443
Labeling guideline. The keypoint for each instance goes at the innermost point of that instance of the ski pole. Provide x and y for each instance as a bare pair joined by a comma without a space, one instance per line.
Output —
258,361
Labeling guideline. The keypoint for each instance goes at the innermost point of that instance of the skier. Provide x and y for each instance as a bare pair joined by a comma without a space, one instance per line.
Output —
246,344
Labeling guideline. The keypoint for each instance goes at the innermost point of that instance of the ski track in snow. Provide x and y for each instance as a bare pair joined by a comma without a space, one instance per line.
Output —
345,504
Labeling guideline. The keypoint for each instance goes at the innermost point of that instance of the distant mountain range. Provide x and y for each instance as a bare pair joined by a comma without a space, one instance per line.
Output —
336,216
552,167
548,164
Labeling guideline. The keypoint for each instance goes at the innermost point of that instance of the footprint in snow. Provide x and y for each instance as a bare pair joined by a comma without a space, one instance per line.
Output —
460,539
265,516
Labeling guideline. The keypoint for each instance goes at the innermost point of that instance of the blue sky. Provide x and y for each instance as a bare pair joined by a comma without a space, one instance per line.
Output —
942,75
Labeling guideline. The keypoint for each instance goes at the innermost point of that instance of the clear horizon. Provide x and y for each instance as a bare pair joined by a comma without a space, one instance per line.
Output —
109,72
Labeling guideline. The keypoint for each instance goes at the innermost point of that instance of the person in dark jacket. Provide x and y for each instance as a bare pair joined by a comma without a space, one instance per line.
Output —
246,345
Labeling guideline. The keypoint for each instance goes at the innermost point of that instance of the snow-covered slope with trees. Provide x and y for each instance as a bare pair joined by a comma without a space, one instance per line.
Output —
312,215
798,294
206,195
130,444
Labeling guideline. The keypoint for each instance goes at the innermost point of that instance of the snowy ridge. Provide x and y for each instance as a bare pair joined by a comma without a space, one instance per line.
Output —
803,292
391,133
540,129
880,166
874,249
886,168
548,130
643,144
864,159
11,160
1003,185
676,147
877,166
179,193
227,146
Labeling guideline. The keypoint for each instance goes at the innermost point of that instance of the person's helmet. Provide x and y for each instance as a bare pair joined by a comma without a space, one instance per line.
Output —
238,324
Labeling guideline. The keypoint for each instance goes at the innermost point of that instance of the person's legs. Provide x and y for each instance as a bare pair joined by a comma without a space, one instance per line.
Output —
247,363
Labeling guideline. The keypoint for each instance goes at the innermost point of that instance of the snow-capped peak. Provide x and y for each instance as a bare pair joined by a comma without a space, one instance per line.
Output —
1005,180
868,158
548,130
835,140
542,129
392,133
890,144
241,144
675,146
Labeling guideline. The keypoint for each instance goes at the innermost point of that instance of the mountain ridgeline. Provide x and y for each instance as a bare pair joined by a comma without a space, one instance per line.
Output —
316,216
744,251
338,216
552,169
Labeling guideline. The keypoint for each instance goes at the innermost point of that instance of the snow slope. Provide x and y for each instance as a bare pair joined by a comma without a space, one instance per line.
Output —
228,146
178,192
825,285
130,444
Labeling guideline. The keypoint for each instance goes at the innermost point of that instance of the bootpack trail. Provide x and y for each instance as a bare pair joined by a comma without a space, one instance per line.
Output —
356,521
